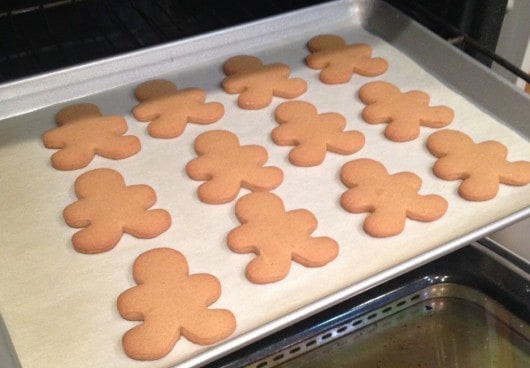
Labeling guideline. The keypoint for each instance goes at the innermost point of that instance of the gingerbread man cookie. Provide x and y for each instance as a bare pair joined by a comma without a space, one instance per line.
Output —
277,237
391,199
169,110
403,112
107,208
256,83
170,302
313,134
482,167
83,132
340,61
227,167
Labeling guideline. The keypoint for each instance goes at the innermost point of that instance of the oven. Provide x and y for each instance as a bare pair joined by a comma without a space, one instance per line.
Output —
452,294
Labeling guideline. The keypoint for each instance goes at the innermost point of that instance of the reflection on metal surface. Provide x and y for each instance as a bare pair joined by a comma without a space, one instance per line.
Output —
444,325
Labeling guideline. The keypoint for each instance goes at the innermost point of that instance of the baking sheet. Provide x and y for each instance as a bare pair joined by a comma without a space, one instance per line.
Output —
59,305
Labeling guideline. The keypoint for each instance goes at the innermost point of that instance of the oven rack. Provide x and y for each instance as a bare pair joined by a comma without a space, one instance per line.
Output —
44,36
48,35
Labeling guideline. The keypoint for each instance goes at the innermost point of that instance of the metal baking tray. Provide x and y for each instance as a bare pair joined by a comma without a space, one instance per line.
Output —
470,308
59,306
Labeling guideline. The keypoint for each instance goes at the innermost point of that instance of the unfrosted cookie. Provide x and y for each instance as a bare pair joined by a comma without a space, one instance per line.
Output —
482,167
169,110
226,166
404,112
277,237
390,199
107,208
83,132
339,61
257,83
313,134
170,302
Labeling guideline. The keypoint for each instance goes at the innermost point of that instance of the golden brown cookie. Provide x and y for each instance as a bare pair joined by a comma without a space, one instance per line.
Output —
391,199
169,110
482,167
257,83
313,134
170,302
403,112
226,166
83,132
277,237
340,61
107,208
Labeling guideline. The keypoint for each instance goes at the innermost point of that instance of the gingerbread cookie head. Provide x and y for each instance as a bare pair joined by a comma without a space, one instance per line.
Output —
277,237
257,83
482,167
339,61
171,303
83,132
106,209
389,198
313,134
168,110
77,112
226,166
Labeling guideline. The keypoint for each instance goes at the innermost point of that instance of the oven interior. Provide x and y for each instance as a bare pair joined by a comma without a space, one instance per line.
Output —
42,36
468,308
